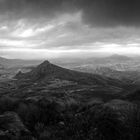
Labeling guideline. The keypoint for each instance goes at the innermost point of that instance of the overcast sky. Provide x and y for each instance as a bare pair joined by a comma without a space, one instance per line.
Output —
34,29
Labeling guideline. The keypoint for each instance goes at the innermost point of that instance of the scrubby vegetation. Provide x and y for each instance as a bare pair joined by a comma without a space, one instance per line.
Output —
48,119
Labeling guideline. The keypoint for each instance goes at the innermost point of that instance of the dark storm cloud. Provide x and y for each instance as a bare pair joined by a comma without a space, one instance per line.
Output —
35,8
95,12
111,12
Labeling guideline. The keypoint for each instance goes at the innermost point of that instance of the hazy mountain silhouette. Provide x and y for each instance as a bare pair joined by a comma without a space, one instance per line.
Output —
119,57
113,59
17,62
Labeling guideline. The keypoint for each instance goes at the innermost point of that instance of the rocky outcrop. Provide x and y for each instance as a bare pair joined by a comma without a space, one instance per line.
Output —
11,126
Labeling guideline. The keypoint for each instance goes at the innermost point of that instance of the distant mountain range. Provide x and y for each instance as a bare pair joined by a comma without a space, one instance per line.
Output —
114,62
17,62
113,59
14,62
71,62
117,57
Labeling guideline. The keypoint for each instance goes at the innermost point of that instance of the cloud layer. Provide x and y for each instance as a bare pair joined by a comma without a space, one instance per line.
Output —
95,12
68,26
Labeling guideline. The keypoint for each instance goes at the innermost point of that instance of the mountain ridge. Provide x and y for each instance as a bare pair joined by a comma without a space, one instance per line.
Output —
47,71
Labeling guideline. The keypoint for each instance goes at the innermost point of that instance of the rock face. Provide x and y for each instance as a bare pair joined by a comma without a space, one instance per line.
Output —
11,125
18,75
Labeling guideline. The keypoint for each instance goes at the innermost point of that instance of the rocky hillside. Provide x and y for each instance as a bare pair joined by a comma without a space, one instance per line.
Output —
47,71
